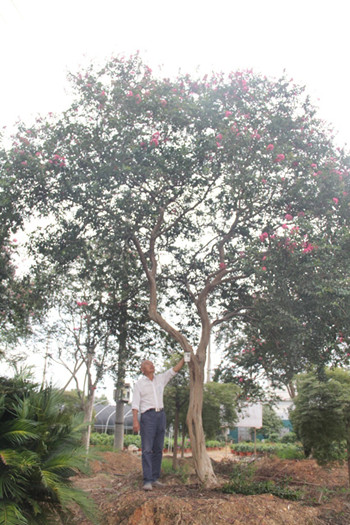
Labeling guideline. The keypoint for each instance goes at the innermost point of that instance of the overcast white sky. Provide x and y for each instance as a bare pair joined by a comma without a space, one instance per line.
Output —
40,40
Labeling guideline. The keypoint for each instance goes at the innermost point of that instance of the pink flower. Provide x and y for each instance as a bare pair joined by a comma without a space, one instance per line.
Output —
301,214
222,266
24,163
219,137
154,141
264,268
241,379
335,200
288,217
270,147
308,247
263,236
280,158
285,226
264,258
228,113
129,94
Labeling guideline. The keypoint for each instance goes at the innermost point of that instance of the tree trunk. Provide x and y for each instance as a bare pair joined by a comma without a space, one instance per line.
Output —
183,443
348,453
88,410
122,353
202,462
176,433
291,390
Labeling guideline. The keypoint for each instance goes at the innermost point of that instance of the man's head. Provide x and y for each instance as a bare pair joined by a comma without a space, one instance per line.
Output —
147,368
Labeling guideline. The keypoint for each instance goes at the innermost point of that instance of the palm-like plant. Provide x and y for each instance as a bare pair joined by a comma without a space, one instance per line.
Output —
39,453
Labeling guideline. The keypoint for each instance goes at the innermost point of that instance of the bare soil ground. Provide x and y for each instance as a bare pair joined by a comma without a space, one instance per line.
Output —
115,483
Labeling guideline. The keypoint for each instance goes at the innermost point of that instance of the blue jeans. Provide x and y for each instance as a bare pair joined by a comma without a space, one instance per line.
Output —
152,427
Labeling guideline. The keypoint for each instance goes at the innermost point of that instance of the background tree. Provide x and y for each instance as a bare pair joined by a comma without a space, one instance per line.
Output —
20,301
193,174
219,408
299,320
321,417
98,298
272,424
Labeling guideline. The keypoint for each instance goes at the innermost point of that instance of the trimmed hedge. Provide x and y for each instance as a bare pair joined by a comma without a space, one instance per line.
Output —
281,450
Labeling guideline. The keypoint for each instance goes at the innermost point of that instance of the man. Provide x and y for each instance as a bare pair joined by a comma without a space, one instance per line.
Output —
148,400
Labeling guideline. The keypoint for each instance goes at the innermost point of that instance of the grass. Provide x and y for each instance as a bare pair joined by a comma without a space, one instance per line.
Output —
182,471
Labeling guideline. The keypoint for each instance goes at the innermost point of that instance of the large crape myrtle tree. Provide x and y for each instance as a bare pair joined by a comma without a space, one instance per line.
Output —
191,173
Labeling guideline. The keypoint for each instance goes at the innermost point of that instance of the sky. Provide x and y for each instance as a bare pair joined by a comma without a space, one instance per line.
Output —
41,40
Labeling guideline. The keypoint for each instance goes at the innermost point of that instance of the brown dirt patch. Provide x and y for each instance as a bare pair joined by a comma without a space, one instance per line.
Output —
115,484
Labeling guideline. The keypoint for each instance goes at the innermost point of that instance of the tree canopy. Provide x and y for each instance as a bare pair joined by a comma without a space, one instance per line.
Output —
203,179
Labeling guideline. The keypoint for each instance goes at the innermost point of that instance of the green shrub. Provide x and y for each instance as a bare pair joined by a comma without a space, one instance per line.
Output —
282,450
39,454
290,437
101,440
330,453
131,439
212,443
290,451
242,482
249,488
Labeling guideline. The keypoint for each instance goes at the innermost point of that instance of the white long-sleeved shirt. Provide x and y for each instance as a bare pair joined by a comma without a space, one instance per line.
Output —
149,394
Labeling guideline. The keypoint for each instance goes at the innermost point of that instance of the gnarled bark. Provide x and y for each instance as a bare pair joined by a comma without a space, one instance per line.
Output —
202,462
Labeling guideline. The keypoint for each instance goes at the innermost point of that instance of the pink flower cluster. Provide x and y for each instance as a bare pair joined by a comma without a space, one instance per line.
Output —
263,236
57,160
82,303
308,247
218,140
279,158
155,139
